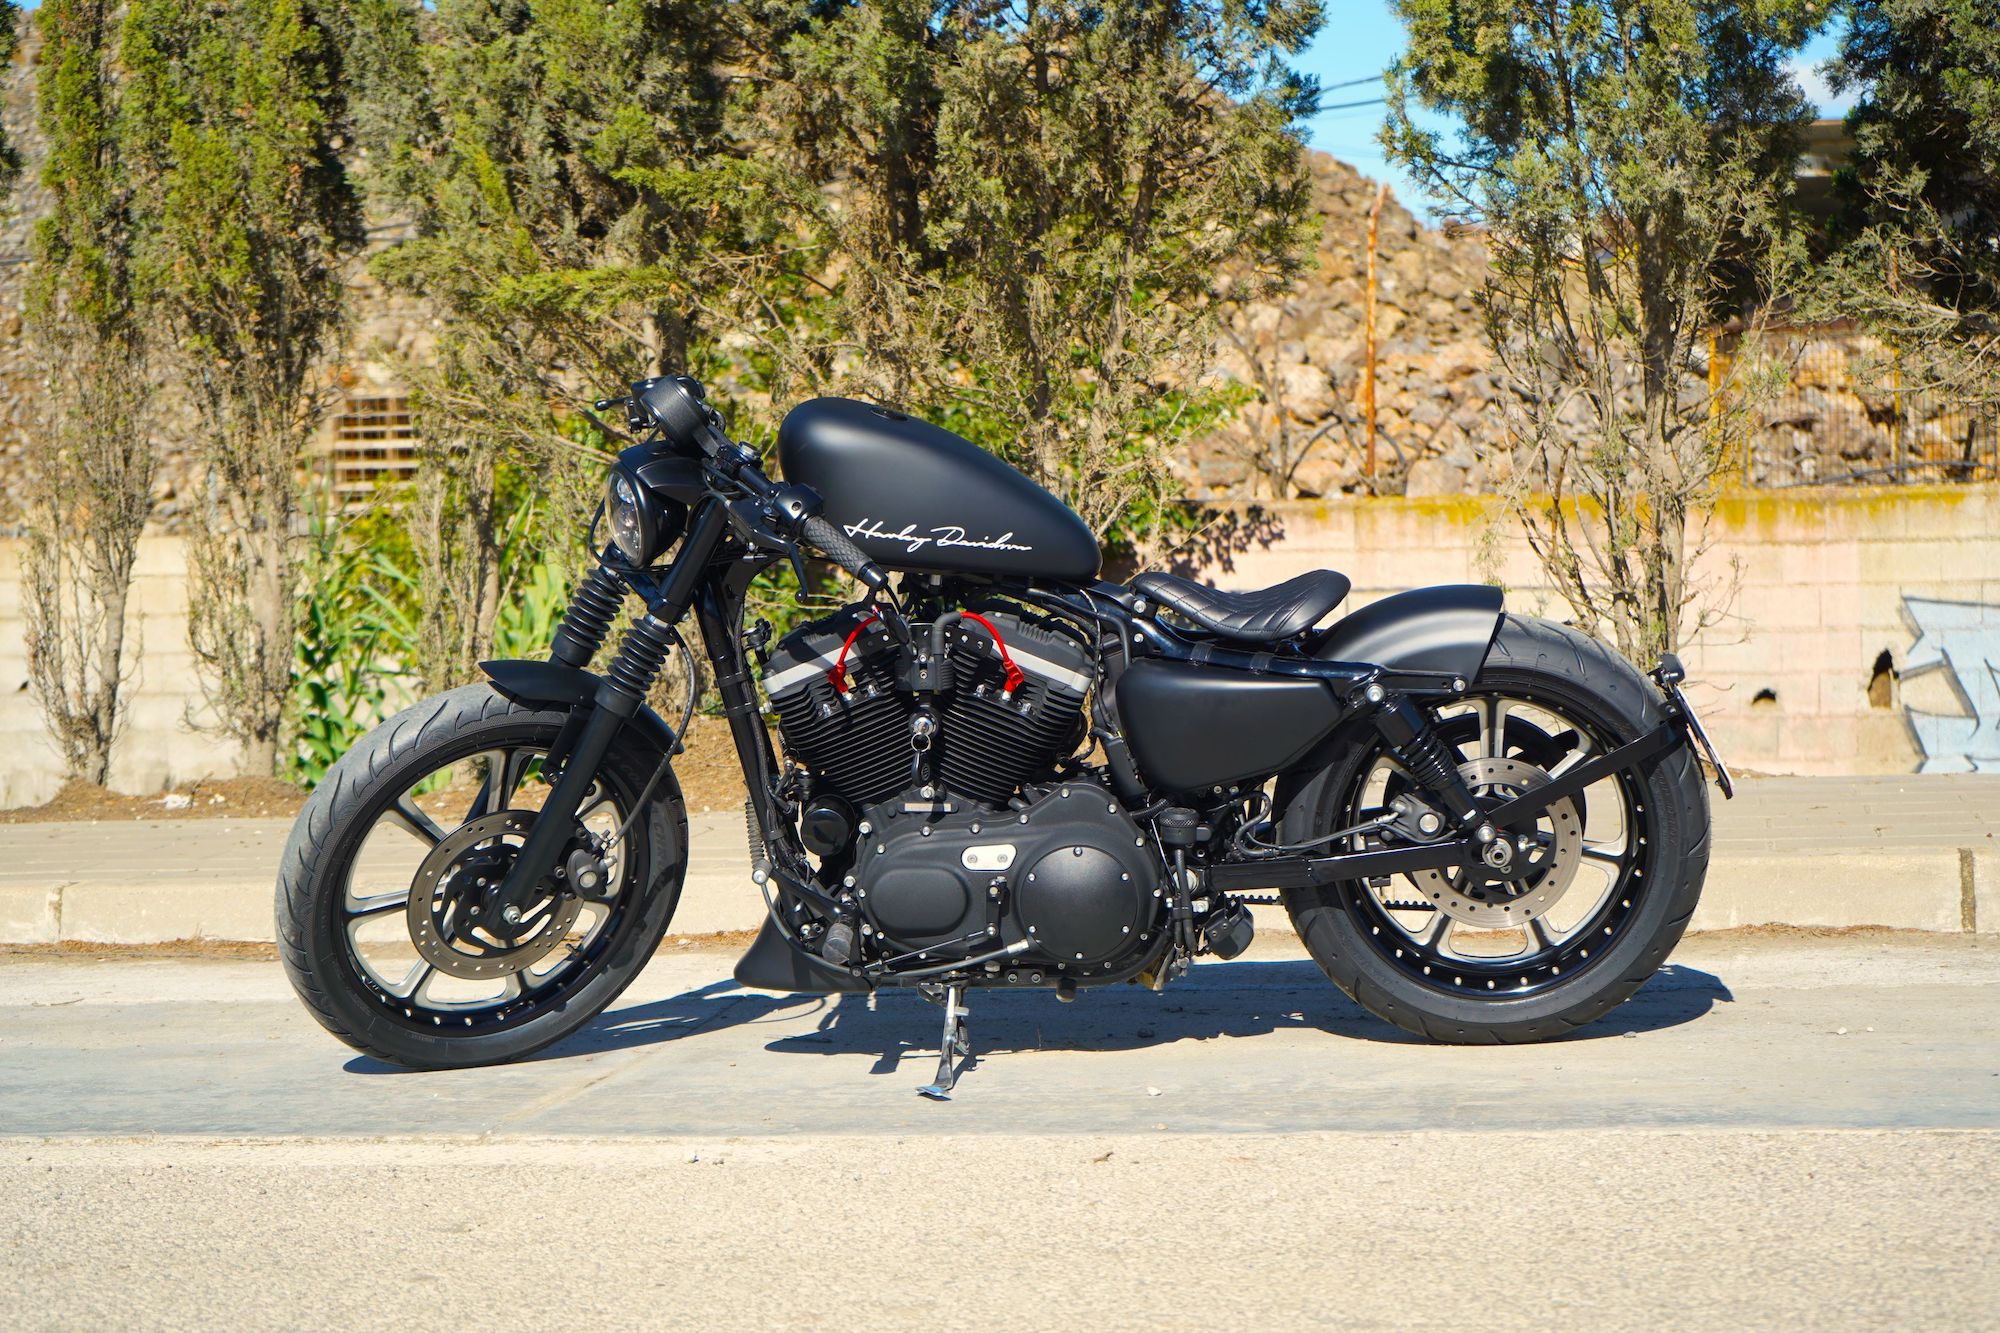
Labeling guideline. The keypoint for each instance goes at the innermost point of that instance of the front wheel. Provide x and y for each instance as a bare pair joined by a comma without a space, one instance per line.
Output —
386,920
1607,880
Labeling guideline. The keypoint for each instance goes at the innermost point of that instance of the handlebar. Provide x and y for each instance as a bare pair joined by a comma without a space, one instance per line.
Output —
839,548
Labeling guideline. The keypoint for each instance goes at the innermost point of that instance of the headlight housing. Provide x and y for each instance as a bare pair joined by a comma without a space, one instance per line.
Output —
634,518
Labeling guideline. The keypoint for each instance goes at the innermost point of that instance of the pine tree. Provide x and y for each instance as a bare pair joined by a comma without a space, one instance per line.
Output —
92,467
1031,211
585,216
1921,266
232,127
1629,162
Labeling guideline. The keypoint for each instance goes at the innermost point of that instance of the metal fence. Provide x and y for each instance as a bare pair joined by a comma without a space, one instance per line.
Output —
370,444
1845,417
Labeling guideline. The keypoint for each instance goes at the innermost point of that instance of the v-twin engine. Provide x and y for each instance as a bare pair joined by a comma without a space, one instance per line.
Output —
992,701
933,802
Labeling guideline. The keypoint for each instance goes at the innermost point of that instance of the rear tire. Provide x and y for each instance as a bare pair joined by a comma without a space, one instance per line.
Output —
315,937
1350,936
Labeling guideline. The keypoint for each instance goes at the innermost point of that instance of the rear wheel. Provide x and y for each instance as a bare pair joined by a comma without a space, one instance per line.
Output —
386,919
1600,892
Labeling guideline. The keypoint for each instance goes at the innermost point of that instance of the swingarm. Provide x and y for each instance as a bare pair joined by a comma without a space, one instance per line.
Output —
1489,836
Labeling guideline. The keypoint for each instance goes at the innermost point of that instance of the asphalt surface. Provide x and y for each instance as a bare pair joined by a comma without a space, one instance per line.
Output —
1774,1131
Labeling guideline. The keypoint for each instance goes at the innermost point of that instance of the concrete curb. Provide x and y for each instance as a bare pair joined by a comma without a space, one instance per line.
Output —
1946,889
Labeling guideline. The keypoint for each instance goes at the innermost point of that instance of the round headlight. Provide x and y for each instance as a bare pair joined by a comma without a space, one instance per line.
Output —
634,529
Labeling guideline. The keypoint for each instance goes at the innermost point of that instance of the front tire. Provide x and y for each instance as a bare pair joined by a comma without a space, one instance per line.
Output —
343,945
1390,946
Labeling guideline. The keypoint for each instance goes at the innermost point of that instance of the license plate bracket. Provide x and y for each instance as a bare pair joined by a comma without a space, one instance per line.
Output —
1668,675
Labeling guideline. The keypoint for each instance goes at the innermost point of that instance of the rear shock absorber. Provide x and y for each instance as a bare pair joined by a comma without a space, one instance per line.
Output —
1418,749
587,620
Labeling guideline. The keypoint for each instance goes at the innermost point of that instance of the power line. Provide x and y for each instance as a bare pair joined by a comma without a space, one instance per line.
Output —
1349,106
1351,83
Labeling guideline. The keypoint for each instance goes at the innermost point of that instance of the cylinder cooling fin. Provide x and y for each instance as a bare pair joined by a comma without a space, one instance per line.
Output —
1012,707
855,740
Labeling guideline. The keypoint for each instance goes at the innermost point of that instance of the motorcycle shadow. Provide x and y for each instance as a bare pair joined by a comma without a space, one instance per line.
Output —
1245,999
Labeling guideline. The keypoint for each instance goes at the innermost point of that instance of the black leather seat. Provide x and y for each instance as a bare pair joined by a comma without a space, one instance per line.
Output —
1263,616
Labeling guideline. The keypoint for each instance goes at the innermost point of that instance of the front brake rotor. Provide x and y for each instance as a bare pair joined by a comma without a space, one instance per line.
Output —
451,910
1542,871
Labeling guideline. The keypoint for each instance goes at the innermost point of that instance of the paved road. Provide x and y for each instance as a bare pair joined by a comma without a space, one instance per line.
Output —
1774,1131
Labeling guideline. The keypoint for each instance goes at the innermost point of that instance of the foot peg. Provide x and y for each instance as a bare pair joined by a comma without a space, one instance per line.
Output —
954,1044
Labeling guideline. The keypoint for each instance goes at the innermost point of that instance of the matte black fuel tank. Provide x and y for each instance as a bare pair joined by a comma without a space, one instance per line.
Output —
1192,726
915,496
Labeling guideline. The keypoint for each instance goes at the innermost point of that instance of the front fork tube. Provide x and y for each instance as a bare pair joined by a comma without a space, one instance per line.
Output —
619,697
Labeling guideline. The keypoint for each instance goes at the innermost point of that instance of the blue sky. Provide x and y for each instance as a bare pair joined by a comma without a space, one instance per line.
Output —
1359,40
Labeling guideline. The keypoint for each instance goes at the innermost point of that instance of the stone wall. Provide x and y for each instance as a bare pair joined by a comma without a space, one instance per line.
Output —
1303,355
1865,637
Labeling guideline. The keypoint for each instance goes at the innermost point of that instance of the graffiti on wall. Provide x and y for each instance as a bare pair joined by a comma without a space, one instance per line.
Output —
1962,638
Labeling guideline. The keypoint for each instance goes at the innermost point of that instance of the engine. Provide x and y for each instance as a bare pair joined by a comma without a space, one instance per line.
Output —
990,705
933,799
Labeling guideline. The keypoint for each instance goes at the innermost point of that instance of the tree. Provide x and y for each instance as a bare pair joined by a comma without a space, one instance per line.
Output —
584,217
1921,204
1027,208
1629,161
232,127
92,470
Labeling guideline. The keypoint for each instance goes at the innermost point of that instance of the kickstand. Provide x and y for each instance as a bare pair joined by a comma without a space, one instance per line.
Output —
951,1046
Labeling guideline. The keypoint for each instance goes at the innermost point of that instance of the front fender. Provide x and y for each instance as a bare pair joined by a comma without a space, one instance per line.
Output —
526,681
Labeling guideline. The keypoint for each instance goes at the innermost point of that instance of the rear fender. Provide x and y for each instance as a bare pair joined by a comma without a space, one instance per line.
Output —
1448,629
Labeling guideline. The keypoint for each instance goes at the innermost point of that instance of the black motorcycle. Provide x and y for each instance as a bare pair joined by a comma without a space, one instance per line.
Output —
1001,771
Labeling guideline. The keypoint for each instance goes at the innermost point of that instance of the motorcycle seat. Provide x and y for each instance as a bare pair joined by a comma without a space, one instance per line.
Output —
1263,616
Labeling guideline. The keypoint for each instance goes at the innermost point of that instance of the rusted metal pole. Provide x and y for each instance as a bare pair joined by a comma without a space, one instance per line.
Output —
1368,376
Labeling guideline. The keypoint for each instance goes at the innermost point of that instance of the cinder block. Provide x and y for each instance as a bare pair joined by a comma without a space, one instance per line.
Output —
151,913
1910,890
29,913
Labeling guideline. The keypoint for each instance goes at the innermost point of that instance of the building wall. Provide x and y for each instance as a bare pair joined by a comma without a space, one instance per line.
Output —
1827,583
160,745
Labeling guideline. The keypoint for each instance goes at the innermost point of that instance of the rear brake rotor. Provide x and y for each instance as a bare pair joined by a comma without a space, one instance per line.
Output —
451,903
1542,871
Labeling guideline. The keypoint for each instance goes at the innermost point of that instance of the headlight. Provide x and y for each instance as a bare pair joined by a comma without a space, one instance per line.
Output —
634,519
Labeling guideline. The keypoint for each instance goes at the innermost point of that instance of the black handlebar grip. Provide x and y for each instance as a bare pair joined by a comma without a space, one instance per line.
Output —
839,548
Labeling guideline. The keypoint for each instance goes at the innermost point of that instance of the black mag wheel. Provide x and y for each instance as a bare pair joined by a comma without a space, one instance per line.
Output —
386,901
1600,889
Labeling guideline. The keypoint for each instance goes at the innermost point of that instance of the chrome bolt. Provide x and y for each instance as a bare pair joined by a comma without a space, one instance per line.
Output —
512,916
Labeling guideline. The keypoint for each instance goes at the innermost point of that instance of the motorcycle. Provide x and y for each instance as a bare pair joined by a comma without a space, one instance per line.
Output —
995,770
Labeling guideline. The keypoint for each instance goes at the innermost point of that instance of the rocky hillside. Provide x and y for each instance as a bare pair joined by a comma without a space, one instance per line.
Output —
1305,357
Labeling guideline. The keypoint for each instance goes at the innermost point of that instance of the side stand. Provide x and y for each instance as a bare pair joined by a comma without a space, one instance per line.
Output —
954,1044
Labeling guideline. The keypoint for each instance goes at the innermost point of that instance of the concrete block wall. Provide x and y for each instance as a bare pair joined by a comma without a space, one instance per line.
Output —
1824,580
159,746
1824,583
